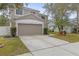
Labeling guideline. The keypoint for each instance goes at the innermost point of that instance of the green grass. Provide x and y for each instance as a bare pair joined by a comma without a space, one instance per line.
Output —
72,38
12,46
52,32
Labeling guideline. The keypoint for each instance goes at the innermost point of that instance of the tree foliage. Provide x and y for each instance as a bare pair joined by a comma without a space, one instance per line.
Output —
4,6
3,20
10,5
59,13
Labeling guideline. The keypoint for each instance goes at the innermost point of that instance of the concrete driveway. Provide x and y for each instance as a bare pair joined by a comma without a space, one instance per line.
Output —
47,46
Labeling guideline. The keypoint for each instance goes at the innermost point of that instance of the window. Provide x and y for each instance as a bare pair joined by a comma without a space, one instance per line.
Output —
42,17
33,12
19,11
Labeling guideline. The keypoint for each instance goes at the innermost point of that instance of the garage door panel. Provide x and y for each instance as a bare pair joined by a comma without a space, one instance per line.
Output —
29,29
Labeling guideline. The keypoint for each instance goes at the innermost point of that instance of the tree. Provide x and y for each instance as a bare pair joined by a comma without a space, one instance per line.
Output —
3,20
5,6
61,23
59,14
75,7
10,5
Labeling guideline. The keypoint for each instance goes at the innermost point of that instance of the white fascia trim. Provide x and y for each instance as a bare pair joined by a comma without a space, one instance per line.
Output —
19,16
29,21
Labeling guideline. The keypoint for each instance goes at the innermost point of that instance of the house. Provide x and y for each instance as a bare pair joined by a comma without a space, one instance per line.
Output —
27,21
72,27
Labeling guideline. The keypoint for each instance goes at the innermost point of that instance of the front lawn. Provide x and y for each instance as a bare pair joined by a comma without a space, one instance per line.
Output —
12,46
72,38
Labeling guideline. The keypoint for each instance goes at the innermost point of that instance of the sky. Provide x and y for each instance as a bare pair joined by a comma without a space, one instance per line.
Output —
37,6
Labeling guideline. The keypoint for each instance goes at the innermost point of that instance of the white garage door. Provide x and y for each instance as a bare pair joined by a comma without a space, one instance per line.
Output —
29,29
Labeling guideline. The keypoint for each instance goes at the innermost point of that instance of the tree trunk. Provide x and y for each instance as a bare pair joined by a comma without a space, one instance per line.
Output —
59,29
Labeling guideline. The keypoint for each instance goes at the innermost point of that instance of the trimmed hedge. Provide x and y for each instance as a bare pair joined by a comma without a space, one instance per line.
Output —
74,30
46,31
13,31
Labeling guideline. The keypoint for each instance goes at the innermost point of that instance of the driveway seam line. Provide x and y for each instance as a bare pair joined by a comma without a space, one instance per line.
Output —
51,43
70,52
31,53
46,48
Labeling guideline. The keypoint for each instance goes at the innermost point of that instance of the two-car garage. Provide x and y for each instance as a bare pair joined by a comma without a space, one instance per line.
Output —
29,27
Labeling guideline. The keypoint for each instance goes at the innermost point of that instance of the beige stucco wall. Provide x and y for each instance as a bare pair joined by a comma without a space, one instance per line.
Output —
26,11
29,17
12,12
35,18
46,22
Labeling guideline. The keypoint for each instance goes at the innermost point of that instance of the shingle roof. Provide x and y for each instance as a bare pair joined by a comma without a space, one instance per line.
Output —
30,9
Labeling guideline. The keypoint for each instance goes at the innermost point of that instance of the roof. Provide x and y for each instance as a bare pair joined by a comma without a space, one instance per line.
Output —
30,9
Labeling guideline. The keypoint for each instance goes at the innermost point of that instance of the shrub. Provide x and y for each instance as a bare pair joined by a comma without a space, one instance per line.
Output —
52,30
13,31
45,30
74,30
63,33
3,20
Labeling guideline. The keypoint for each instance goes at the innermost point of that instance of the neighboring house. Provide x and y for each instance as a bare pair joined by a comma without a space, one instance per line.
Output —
68,29
27,21
75,25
